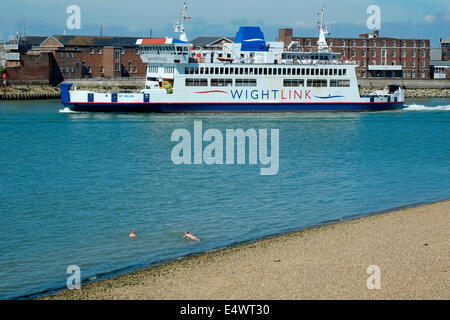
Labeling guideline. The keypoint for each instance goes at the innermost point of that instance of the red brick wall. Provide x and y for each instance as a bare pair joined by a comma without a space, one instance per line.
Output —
32,67
69,62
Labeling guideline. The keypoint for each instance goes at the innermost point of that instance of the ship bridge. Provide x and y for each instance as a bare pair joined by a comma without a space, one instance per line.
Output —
163,50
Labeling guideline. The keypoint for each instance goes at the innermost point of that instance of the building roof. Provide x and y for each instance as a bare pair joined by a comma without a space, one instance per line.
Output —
100,41
34,40
208,41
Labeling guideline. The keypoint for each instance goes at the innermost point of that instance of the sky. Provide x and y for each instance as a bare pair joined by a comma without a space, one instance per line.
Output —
345,18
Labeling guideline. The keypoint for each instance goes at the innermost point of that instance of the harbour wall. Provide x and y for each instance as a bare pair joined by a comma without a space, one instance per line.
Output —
19,90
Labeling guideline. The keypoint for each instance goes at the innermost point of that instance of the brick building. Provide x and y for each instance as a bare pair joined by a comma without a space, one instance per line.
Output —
445,46
74,57
95,56
377,57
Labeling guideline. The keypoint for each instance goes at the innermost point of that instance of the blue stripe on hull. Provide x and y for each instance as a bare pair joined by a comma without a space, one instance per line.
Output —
192,107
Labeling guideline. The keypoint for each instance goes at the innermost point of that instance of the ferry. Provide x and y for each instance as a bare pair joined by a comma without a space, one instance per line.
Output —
249,75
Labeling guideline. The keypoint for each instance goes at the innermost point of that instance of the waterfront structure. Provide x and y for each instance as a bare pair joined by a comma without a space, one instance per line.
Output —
248,75
440,61
375,56
65,57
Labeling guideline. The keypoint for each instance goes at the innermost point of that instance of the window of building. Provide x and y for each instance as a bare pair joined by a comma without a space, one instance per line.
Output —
308,42
67,55
394,53
403,44
374,43
221,82
353,43
189,82
316,83
423,74
353,53
71,69
423,54
342,43
101,69
423,64
383,43
122,51
293,82
61,54
364,52
137,51
99,50
363,63
423,44
413,74
414,44
134,69
364,43
343,52
403,54
374,53
394,43
413,54
413,64
91,50
89,69
403,63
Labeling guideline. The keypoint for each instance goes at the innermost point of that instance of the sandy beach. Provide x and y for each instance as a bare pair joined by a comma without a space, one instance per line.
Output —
410,246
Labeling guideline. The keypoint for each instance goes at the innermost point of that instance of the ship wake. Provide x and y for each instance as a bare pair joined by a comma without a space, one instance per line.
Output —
418,107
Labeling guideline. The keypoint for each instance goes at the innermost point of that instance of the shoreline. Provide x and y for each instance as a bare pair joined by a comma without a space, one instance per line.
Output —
24,91
210,274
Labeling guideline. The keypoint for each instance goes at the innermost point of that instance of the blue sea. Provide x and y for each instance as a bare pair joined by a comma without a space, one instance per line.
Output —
73,185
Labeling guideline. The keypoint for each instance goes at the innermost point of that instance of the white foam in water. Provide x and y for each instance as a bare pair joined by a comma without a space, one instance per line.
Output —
66,110
418,107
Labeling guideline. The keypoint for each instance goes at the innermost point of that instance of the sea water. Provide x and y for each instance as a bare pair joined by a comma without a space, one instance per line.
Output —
73,185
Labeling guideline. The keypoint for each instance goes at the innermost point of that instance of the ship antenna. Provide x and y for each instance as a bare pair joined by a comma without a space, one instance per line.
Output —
179,26
323,30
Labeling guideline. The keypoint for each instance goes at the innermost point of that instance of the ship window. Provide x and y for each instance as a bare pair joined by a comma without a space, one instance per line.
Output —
325,72
245,70
317,72
339,83
344,72
340,72
226,70
307,72
196,70
284,71
293,82
303,71
189,82
265,71
221,82
186,70
335,72
250,71
321,72
216,70
221,70
316,83
270,71
245,83
201,70
211,70
231,70
241,70
289,71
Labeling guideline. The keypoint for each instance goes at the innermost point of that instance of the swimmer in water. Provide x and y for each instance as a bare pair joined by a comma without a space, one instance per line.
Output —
132,234
190,236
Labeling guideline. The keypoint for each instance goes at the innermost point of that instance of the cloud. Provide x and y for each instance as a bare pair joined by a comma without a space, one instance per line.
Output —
299,23
429,18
